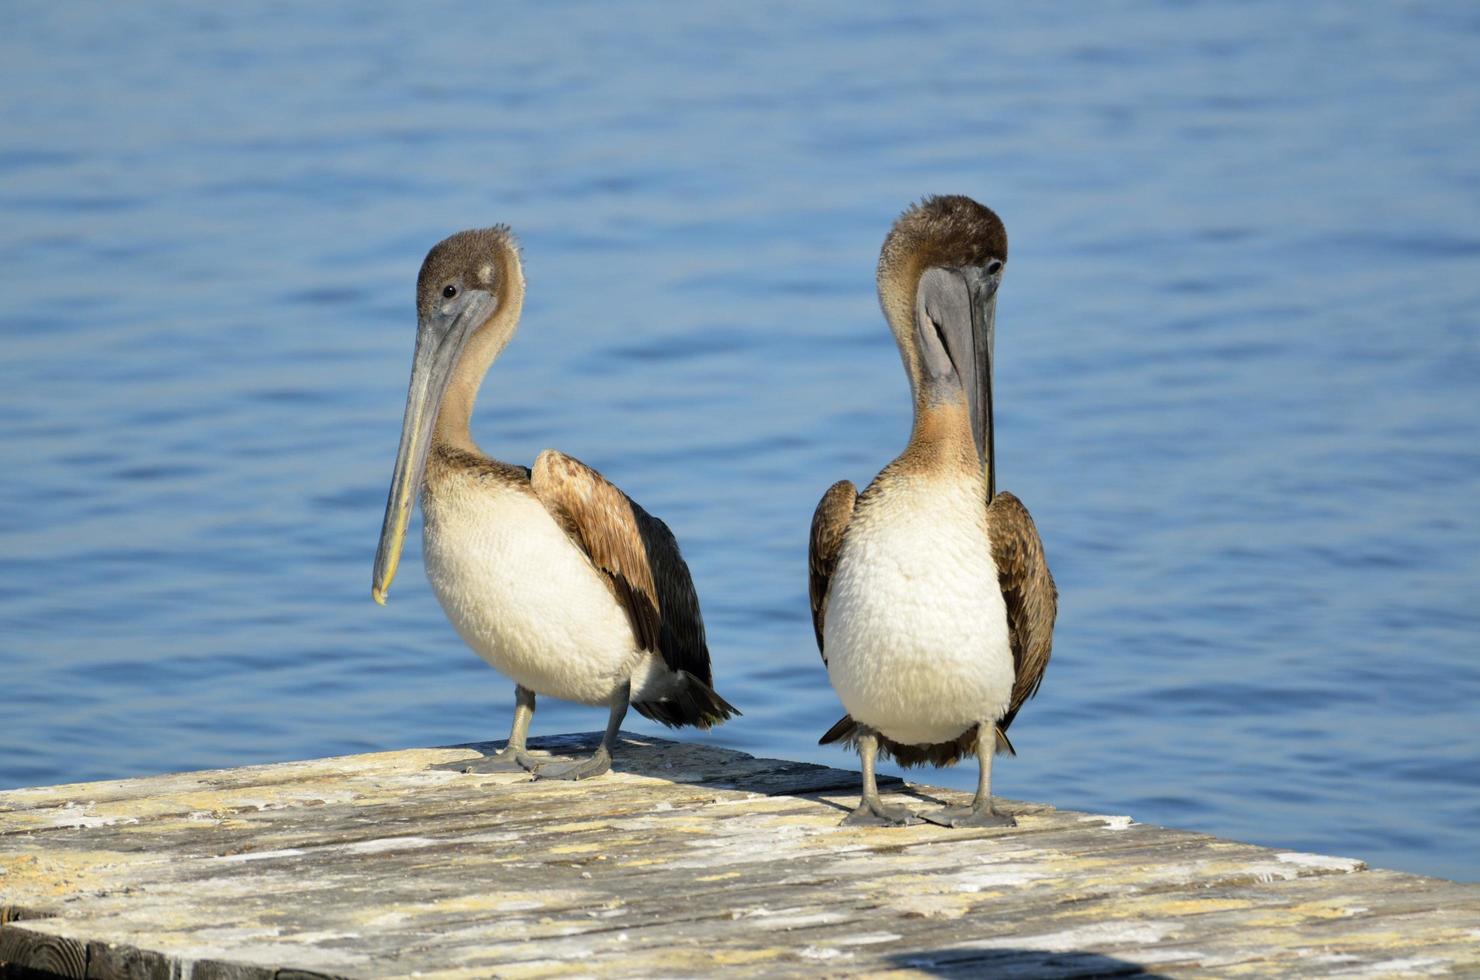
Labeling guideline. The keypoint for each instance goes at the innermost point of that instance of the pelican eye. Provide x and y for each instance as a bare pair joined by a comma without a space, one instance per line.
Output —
449,291
994,267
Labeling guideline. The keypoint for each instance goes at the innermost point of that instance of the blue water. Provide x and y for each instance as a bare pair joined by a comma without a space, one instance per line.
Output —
1239,369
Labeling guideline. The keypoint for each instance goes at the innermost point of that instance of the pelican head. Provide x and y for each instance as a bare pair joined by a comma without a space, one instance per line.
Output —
468,298
938,275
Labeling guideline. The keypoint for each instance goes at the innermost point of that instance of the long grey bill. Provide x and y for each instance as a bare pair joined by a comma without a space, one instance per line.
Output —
979,395
960,308
439,343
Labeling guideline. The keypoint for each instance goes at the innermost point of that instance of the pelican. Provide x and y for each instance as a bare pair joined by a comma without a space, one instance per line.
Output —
552,575
931,599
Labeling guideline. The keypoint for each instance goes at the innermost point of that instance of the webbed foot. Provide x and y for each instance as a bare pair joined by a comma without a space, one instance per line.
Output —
965,816
502,761
881,815
505,761
597,765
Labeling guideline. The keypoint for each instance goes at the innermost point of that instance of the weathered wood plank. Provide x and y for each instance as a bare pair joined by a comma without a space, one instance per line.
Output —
690,859
40,950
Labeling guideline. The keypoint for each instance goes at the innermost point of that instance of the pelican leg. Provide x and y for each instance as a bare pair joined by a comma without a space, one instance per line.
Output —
872,811
601,761
513,757
980,812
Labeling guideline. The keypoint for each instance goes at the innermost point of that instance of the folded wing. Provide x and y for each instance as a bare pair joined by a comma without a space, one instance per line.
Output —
829,525
1031,596
636,553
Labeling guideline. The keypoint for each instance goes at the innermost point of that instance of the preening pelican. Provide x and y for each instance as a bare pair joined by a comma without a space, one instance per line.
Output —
931,598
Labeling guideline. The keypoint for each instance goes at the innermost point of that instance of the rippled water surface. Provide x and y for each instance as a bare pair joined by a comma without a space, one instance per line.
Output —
1239,376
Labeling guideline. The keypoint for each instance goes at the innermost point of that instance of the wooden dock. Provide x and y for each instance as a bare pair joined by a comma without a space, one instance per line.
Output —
689,861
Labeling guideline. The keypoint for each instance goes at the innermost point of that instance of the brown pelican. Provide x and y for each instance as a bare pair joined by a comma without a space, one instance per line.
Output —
931,598
552,575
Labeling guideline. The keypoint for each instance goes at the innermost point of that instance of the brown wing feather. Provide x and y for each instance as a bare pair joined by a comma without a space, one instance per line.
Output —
1032,599
635,551
829,524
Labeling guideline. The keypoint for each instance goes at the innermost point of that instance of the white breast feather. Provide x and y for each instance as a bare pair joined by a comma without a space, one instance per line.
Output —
525,599
916,627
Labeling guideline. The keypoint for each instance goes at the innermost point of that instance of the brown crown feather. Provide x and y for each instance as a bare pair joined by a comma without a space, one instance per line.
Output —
462,258
946,231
